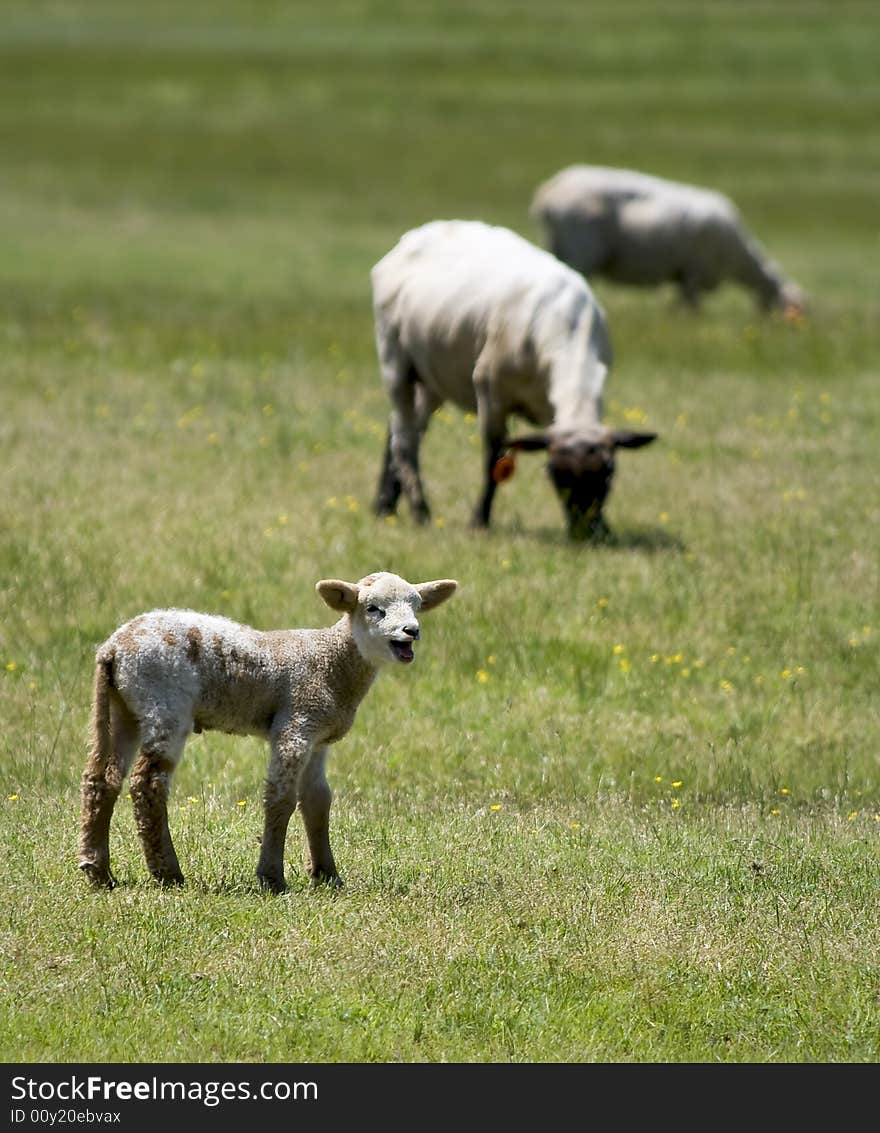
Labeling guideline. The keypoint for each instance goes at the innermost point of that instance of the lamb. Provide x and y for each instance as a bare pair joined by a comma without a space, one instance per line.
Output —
476,315
634,228
168,673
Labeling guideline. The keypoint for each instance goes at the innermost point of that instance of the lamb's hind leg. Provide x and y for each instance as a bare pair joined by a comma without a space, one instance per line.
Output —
150,785
101,783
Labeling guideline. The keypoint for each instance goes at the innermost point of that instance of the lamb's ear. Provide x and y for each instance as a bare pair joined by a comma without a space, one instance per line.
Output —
530,442
337,594
626,438
433,593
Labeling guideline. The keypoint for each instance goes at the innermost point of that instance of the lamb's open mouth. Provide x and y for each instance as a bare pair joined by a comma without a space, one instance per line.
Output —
402,650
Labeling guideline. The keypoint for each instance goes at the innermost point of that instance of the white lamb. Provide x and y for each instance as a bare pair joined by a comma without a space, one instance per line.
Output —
634,228
474,314
168,673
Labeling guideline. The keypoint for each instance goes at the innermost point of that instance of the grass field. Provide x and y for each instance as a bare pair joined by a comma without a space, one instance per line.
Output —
626,805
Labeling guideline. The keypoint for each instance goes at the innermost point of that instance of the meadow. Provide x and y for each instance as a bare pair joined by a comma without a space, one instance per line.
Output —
625,807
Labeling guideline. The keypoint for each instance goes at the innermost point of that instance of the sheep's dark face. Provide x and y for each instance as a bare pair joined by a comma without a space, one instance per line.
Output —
581,466
582,472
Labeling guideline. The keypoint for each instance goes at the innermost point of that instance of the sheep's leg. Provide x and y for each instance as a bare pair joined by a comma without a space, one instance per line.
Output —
289,750
101,783
492,449
389,483
406,427
492,427
689,290
315,797
150,785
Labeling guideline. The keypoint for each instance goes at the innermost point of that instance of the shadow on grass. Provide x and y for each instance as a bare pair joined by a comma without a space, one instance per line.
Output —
651,540
297,888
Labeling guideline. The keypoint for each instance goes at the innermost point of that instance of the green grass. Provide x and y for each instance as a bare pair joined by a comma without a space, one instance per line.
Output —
626,806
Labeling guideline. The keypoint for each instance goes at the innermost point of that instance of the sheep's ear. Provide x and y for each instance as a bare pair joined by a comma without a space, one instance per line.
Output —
626,438
337,594
433,593
531,442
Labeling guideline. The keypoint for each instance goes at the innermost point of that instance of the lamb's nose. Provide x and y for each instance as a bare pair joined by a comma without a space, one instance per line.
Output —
412,630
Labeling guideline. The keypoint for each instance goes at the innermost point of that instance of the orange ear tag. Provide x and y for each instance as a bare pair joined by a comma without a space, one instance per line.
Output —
503,468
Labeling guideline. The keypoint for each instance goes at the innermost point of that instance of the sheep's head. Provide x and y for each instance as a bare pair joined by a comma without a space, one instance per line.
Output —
793,301
384,610
581,466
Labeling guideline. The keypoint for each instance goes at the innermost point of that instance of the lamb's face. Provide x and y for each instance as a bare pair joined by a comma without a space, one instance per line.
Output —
383,609
385,622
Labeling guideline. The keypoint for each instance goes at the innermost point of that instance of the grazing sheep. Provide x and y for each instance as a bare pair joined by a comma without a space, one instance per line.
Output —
168,673
474,314
634,228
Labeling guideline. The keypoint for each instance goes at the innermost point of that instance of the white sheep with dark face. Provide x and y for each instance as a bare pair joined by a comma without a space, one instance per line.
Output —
474,314
634,228
169,673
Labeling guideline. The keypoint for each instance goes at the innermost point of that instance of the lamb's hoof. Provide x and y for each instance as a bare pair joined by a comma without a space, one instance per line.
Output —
169,880
99,877
330,880
273,885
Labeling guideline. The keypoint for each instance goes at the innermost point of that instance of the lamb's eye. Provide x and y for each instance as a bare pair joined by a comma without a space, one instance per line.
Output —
377,610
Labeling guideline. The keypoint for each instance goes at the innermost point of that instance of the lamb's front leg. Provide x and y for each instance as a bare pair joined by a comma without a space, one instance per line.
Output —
315,797
290,753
